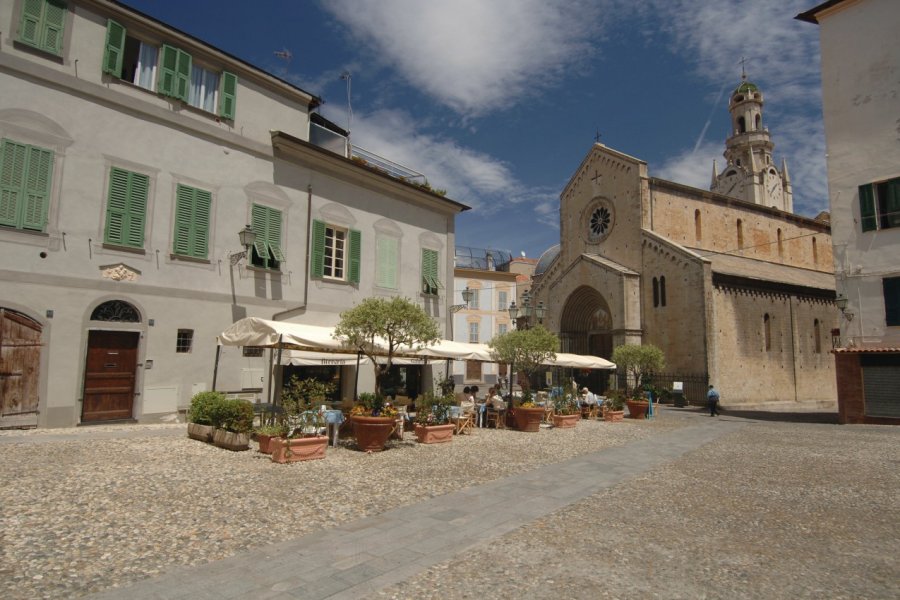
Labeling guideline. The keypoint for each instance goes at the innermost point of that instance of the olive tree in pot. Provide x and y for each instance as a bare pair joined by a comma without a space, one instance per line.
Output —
637,361
525,350
381,327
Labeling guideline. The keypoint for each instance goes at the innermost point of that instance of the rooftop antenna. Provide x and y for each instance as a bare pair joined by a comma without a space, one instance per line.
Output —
347,76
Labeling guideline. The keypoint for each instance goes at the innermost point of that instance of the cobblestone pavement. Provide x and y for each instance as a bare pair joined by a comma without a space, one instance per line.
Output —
774,510
770,510
89,509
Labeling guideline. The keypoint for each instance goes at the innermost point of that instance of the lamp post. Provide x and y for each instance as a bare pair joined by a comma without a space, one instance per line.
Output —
455,308
247,237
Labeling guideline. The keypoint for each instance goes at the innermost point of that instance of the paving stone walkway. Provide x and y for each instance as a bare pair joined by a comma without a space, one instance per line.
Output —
366,555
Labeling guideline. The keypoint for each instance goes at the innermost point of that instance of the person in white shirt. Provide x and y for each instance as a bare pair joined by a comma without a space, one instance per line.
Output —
587,398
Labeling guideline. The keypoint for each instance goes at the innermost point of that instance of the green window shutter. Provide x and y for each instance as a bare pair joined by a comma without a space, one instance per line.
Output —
137,209
273,225
12,180
388,253
892,203
116,206
259,224
126,208
168,60
182,76
867,207
37,188
355,251
54,22
317,264
115,48
202,209
184,218
30,22
430,271
227,95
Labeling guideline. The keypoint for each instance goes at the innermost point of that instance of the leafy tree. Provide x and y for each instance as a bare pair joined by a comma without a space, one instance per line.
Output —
638,360
525,349
379,326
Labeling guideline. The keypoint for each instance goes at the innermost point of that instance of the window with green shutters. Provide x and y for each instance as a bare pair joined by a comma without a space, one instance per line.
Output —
431,282
126,208
192,208
879,205
387,255
336,252
177,76
266,223
42,24
25,181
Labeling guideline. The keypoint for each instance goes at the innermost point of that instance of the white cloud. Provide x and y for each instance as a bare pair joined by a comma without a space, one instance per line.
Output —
691,167
471,55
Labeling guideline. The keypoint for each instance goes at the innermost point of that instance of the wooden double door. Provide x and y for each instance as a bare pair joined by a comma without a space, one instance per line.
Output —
20,358
109,376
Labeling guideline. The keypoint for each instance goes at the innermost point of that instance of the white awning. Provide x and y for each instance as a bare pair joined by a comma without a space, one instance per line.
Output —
253,331
580,361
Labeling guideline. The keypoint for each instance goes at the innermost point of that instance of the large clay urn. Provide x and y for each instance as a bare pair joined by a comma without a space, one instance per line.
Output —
372,432
529,419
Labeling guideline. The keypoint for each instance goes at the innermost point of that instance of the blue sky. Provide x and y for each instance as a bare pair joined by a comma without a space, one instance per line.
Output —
498,101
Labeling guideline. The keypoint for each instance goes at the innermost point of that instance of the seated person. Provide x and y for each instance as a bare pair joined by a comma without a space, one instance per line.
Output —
587,398
495,401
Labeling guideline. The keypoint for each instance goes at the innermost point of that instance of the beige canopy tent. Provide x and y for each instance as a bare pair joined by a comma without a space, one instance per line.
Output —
314,344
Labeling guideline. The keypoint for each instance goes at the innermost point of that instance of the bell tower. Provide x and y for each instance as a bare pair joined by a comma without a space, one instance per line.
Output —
750,173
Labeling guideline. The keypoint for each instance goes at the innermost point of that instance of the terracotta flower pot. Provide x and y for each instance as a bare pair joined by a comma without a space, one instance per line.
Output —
372,432
613,415
297,449
637,409
529,419
566,421
265,442
434,434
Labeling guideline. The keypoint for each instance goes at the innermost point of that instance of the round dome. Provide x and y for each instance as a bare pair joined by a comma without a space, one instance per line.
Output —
546,258
745,87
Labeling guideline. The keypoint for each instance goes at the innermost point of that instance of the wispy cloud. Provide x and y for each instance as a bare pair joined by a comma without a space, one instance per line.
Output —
471,55
692,166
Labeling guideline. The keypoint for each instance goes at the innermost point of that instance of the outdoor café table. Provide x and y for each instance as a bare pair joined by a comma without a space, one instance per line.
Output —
333,420
480,414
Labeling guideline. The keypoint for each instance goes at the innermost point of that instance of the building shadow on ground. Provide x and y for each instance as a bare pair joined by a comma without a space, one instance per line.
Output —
827,417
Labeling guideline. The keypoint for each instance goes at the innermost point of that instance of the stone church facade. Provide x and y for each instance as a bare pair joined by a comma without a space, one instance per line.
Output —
729,283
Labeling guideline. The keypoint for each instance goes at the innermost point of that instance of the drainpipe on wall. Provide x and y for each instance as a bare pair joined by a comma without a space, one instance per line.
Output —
277,315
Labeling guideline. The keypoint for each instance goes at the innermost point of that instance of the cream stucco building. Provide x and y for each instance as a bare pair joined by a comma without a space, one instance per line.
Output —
861,105
735,288
132,155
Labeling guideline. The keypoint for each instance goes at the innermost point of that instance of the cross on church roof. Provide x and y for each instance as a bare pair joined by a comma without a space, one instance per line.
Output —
597,136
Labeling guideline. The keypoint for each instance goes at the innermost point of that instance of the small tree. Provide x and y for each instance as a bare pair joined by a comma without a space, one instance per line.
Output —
526,350
380,326
638,360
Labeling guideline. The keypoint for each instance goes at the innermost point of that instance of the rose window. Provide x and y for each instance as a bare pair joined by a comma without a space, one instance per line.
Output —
600,221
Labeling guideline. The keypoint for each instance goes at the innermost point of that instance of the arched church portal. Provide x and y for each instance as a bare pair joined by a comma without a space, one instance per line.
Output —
586,328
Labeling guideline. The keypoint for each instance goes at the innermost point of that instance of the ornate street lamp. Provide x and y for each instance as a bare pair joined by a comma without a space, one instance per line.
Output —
247,237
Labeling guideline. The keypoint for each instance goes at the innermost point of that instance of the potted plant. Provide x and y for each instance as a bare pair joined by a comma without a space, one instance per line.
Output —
373,421
304,421
614,406
433,424
200,415
233,419
266,433
526,350
380,327
637,361
565,411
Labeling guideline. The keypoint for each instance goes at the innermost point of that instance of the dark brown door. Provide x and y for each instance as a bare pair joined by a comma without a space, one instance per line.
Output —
20,356
109,375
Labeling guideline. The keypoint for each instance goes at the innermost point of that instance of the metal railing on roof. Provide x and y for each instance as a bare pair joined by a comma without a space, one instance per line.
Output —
481,258
390,167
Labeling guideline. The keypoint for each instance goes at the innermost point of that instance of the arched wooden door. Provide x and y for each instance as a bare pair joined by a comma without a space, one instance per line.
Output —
20,359
111,366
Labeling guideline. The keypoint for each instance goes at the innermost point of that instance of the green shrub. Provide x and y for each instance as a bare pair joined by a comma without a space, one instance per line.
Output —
236,415
204,408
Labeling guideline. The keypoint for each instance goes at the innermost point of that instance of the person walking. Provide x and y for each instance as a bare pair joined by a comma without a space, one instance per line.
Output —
712,399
